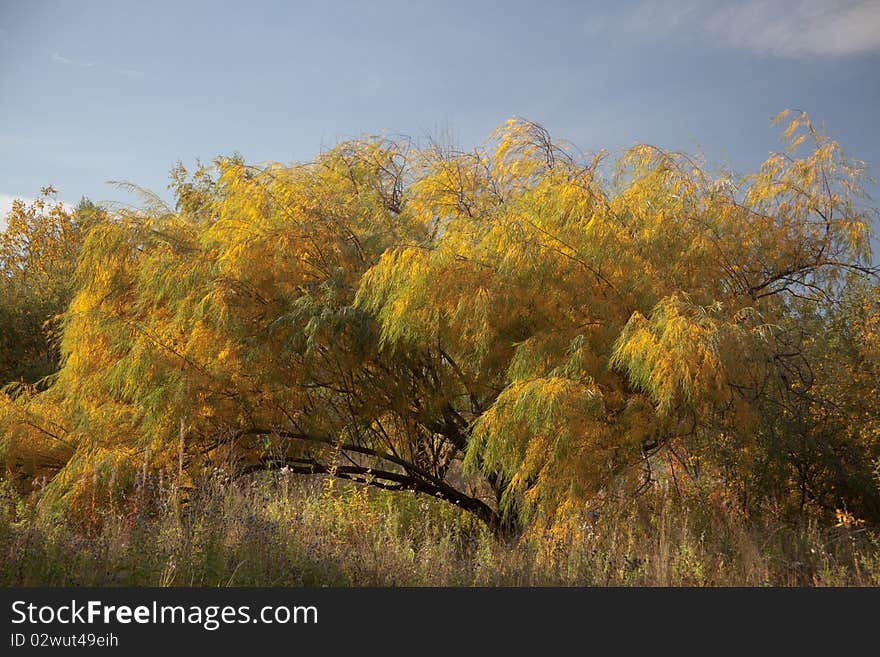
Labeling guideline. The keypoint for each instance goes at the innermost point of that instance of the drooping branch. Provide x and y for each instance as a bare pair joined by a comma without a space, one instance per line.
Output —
412,478
383,479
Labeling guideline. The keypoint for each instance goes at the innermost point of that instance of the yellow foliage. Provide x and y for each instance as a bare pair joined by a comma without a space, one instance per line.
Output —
392,314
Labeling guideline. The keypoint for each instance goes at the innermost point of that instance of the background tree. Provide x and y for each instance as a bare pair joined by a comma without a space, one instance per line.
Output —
38,250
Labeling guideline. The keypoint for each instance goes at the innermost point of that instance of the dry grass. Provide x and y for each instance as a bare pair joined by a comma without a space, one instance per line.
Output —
277,530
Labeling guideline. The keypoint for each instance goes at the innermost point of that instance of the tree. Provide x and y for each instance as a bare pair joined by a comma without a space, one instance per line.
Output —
600,326
38,250
507,329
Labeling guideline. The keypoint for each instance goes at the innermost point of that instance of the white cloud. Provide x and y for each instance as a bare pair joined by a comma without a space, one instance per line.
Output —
131,73
61,59
781,28
58,58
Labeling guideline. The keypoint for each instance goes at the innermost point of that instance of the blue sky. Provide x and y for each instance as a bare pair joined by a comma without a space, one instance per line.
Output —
94,91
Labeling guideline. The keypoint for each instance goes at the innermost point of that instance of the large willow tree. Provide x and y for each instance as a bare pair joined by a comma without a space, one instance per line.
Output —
515,330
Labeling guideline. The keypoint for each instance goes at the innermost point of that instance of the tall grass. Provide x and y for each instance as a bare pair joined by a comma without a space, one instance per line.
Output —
280,530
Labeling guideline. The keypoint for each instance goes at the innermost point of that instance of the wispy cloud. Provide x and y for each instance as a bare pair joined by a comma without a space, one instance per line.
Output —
131,73
780,28
66,61
58,58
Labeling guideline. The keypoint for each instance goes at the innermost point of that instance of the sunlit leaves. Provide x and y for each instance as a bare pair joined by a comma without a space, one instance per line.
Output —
549,321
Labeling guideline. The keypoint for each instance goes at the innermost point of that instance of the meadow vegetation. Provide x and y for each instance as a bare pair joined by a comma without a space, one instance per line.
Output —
280,530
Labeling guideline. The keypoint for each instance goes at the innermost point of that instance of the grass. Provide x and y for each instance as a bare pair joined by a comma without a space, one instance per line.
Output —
281,530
